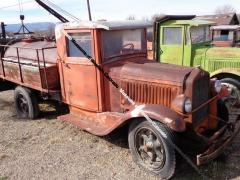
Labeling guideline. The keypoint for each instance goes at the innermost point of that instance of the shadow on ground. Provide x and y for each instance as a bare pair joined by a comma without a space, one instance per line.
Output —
220,169
225,167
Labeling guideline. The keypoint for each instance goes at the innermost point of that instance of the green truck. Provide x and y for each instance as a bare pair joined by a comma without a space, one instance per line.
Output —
184,40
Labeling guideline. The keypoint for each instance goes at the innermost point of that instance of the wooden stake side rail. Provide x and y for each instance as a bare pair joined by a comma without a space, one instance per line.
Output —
33,73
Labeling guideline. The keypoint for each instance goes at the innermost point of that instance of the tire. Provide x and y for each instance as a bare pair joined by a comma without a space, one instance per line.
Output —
222,113
234,83
163,166
25,103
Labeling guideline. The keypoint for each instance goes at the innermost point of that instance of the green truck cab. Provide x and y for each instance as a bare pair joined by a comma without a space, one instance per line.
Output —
186,41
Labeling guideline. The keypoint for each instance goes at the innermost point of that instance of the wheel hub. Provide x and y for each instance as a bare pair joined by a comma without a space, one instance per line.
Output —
149,145
22,104
150,148
234,97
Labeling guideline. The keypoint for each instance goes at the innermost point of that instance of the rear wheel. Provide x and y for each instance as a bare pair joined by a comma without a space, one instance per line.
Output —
25,103
234,89
150,150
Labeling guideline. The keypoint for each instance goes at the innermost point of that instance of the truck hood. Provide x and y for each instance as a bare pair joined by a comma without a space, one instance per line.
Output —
228,52
153,72
219,52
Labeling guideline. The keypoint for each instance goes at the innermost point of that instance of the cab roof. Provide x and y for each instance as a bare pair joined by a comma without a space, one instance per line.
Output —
194,22
106,25
183,20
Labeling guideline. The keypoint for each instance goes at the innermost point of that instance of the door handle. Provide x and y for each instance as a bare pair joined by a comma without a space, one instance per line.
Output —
161,51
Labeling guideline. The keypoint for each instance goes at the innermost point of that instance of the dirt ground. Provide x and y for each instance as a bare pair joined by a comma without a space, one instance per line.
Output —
47,148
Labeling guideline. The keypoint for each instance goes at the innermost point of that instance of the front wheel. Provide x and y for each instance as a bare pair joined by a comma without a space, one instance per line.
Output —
233,100
150,150
25,103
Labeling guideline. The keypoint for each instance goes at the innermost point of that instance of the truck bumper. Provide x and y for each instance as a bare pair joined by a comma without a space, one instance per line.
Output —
218,143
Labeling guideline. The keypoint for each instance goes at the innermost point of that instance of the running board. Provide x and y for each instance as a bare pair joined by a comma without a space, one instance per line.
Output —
101,125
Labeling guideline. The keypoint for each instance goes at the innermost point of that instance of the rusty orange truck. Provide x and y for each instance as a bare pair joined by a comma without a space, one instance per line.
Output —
180,99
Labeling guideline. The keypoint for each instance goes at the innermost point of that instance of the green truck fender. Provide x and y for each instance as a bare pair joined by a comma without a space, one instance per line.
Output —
226,73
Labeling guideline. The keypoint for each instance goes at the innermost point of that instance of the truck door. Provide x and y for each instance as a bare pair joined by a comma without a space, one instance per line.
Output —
171,49
78,75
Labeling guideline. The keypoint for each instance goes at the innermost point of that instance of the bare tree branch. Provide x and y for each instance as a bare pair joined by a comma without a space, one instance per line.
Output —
225,9
131,17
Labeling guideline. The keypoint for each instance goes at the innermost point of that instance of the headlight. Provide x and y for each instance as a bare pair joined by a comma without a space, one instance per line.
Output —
182,104
188,105
218,86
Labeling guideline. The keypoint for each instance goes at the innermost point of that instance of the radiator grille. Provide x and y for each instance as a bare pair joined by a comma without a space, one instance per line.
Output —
149,93
200,95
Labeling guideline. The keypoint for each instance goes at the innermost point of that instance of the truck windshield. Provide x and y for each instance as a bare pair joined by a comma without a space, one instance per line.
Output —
122,42
200,34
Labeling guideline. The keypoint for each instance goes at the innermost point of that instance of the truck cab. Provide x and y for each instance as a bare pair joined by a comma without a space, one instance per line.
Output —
179,99
186,41
112,45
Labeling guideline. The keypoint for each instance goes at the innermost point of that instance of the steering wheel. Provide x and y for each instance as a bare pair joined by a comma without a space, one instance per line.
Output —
131,46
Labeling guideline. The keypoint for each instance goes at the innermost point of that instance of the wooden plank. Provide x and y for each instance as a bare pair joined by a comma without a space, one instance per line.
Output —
31,75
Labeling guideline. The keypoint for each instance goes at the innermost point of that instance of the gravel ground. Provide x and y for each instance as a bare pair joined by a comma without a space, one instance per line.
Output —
50,149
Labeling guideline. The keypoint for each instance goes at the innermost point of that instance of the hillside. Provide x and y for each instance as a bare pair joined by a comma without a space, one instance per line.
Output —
41,26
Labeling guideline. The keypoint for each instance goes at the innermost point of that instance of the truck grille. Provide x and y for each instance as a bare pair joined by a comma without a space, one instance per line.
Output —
149,93
200,95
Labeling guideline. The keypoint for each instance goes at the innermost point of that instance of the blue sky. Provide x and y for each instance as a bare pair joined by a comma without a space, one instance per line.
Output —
113,9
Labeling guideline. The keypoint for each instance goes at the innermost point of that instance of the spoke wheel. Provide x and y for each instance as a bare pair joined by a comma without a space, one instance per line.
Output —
150,150
233,100
22,104
25,103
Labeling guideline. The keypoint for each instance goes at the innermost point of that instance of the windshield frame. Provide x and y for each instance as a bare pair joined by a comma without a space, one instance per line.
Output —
116,57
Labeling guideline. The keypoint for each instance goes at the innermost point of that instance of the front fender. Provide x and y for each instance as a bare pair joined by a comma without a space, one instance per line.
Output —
160,113
233,71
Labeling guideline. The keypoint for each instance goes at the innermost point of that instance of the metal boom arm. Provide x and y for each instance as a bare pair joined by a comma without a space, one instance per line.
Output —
52,11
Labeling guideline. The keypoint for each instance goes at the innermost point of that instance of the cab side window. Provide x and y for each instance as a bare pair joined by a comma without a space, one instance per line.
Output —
172,35
84,39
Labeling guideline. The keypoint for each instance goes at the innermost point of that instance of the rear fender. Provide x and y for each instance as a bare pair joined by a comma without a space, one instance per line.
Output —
160,113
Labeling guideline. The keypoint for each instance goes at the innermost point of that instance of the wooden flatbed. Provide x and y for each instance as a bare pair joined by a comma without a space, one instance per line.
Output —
32,65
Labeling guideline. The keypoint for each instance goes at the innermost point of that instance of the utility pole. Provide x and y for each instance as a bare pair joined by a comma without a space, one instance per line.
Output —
3,30
89,11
